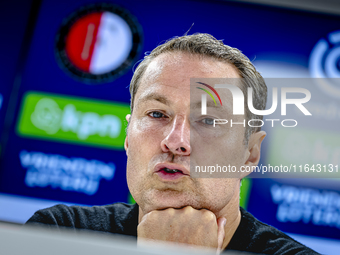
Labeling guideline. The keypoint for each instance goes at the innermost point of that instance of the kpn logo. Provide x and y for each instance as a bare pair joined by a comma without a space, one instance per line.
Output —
73,120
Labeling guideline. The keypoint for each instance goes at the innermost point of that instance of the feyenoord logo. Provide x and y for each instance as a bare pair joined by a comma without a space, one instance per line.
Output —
98,43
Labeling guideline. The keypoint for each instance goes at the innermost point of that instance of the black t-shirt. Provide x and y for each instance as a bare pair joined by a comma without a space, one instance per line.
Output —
251,235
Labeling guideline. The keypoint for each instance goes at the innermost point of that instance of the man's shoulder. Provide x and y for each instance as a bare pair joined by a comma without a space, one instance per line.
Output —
117,218
255,236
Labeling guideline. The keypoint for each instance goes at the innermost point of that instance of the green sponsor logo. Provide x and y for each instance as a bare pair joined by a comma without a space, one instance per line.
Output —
73,120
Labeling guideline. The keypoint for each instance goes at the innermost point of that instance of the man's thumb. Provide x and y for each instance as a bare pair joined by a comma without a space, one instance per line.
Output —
220,233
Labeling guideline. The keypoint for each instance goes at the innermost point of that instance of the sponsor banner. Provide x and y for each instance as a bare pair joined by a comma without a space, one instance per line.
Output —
73,120
306,205
300,206
66,173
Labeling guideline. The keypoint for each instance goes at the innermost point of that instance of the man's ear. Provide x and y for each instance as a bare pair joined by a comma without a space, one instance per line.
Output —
126,144
253,154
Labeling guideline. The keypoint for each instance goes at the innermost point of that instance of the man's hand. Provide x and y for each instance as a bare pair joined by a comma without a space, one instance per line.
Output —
186,225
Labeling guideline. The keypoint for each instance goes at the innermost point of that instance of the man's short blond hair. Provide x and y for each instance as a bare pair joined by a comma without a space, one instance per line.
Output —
208,46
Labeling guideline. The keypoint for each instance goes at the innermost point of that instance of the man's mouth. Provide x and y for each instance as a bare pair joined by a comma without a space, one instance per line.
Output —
170,173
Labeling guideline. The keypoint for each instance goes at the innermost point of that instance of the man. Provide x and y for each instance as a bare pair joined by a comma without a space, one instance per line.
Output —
166,135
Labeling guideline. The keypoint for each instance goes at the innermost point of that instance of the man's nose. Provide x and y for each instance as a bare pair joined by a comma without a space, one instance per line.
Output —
177,140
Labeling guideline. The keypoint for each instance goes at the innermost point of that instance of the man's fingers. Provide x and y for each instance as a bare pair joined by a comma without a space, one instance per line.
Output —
220,233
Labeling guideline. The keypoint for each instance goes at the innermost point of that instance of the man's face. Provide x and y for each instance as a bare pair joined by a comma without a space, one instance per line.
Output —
159,138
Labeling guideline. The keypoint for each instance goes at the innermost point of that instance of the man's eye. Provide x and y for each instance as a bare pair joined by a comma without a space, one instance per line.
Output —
208,121
157,115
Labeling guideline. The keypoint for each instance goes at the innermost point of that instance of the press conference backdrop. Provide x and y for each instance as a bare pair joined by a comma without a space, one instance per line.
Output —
64,76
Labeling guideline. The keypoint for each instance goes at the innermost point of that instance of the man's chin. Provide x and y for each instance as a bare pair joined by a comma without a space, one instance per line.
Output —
161,200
